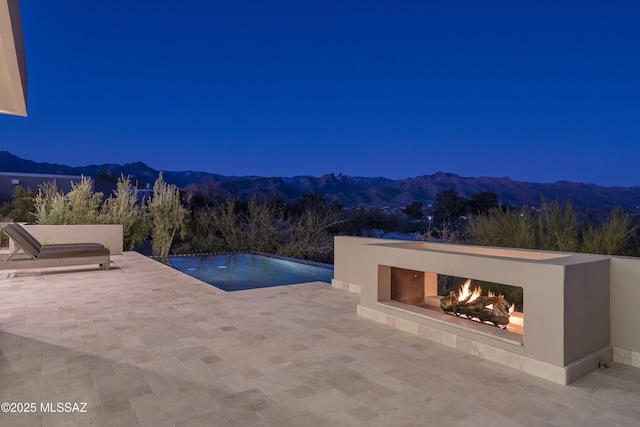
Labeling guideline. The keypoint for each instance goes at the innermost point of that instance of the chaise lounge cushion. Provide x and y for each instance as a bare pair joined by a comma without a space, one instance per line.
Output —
55,255
23,239
33,248
72,250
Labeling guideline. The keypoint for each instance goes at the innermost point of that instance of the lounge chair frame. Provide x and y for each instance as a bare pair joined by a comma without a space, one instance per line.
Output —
30,253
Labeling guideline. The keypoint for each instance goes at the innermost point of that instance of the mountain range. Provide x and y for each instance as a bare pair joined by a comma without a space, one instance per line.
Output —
351,190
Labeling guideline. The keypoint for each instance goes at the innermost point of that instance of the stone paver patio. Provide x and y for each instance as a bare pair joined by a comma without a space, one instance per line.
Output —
143,344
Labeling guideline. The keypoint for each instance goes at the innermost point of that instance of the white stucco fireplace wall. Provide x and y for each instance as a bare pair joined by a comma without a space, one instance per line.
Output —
567,300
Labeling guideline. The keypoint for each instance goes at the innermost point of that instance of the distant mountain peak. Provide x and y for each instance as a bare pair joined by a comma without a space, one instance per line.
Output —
352,190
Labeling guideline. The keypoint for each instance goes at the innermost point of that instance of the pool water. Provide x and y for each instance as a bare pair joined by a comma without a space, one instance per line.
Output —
236,272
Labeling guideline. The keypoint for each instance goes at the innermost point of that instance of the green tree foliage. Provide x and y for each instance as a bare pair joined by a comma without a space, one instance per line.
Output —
449,206
230,226
123,207
82,206
168,216
200,195
612,237
310,235
310,201
487,230
482,202
263,225
107,176
203,236
79,206
21,206
512,228
49,204
83,203
554,228
413,210
371,222
226,222
557,227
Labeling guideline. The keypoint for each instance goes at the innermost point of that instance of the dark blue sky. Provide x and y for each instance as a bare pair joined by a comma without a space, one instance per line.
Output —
539,91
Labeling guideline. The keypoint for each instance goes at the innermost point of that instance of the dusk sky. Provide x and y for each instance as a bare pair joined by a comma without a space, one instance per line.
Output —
538,91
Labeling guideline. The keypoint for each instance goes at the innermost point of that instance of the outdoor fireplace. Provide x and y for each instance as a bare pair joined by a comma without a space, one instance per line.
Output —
492,304
565,298
470,303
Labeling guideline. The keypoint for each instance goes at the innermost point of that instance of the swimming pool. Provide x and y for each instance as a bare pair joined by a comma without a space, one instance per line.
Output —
237,272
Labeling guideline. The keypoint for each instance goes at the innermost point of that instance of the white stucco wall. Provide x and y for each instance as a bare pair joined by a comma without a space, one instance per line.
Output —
353,262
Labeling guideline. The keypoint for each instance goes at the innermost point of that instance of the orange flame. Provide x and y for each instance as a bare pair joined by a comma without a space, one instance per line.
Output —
466,294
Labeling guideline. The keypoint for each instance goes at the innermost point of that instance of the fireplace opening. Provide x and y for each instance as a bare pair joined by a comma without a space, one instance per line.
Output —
493,304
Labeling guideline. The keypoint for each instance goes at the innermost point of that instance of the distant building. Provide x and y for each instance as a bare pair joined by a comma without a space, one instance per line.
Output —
10,180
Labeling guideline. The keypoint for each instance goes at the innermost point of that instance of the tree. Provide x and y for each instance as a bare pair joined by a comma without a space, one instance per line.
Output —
203,233
168,216
263,225
310,235
612,238
311,201
21,207
511,228
449,206
79,206
202,194
124,208
49,204
226,222
557,227
414,210
482,202
83,203
371,222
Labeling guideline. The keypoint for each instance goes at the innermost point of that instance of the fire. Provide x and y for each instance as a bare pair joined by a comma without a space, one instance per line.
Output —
466,294
493,309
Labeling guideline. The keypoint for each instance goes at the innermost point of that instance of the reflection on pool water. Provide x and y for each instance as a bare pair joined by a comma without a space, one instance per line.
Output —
236,272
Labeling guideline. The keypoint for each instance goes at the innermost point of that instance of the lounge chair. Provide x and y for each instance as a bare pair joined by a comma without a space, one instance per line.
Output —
34,254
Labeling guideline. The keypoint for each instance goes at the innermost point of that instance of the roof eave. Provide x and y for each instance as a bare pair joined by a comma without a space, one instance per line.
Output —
13,65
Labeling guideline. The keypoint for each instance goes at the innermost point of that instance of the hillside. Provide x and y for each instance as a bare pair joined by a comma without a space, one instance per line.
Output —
354,191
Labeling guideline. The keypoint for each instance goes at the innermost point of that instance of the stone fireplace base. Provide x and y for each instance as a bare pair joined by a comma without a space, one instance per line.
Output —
562,375
566,300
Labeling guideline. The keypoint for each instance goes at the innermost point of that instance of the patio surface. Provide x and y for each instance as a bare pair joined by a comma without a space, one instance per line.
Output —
143,344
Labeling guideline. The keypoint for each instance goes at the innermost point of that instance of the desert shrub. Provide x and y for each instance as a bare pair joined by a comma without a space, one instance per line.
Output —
447,233
21,207
49,204
373,222
229,226
557,227
612,237
79,206
123,207
504,227
310,234
168,216
263,225
226,223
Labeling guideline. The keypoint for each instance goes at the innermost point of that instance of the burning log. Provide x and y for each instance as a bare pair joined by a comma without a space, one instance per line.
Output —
494,309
